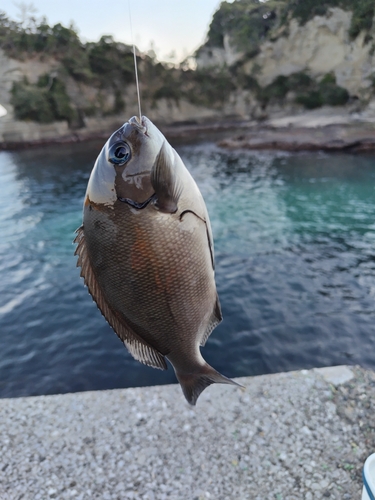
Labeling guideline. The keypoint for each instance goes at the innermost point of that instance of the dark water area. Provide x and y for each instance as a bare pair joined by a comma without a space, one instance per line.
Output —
295,268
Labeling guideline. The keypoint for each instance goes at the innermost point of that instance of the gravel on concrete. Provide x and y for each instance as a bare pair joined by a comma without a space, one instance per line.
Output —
298,435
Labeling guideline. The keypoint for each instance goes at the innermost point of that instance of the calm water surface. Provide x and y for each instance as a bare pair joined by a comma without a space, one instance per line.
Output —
295,266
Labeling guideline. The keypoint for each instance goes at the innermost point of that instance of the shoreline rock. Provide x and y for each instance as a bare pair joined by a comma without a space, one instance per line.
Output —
327,138
175,132
325,129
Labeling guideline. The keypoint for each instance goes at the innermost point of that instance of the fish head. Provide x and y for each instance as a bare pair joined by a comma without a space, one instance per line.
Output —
123,167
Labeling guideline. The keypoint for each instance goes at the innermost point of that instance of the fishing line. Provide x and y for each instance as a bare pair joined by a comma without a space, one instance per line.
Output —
135,64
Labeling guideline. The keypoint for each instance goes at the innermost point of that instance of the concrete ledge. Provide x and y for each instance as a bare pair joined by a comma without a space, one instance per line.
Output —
297,435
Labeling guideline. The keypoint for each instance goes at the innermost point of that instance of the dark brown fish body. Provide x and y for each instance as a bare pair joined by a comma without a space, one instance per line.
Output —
148,263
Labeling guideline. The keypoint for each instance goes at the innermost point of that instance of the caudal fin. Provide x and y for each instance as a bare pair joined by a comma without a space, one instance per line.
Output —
193,384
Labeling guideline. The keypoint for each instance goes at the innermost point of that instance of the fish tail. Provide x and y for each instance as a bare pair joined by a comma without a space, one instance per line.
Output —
193,384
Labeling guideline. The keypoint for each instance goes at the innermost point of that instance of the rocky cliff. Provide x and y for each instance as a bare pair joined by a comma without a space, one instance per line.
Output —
261,60
296,54
320,46
92,111
52,85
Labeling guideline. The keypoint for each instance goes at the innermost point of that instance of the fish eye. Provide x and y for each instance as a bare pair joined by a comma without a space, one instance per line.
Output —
119,153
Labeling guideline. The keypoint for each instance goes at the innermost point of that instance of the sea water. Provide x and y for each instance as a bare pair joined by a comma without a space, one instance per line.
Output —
295,267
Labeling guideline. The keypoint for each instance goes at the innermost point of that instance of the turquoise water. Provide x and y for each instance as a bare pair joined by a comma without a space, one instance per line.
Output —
295,266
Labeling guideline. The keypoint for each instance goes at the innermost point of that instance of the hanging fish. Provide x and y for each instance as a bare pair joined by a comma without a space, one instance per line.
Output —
146,254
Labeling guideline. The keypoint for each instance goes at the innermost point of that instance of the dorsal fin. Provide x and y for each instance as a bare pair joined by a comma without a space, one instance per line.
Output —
164,181
138,348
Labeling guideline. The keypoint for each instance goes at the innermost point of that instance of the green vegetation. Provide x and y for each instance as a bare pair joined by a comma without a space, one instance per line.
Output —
44,102
363,12
200,87
98,63
208,88
212,88
249,22
106,67
110,61
278,89
16,39
326,92
308,92
163,82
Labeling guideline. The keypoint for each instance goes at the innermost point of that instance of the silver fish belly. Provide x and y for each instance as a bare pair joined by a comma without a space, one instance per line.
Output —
146,254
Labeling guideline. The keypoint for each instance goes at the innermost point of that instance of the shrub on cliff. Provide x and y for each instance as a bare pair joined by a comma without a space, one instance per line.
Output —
17,41
281,85
111,61
30,103
208,88
362,19
98,63
326,92
247,22
308,92
45,102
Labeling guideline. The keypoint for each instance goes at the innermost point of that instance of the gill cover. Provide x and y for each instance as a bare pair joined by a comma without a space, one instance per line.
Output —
165,182
101,185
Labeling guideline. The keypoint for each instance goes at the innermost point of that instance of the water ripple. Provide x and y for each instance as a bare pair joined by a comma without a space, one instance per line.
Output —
295,267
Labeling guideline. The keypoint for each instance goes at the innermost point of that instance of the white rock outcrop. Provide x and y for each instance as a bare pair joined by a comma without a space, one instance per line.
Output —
217,56
320,46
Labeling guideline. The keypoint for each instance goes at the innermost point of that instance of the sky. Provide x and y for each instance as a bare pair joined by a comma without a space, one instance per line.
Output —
178,26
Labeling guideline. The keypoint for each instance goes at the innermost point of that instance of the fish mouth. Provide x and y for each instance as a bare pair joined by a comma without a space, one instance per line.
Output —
139,174
139,123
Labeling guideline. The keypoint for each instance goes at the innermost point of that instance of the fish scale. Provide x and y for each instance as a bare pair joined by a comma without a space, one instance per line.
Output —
169,267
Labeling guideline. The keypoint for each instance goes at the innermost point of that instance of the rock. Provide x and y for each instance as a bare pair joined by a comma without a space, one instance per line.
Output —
354,137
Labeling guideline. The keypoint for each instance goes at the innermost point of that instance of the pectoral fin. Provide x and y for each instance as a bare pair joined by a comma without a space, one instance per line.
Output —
138,348
165,183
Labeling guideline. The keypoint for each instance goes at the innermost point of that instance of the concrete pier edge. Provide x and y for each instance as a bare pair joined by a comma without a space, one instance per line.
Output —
295,435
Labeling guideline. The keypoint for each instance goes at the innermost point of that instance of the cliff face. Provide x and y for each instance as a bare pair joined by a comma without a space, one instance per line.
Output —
227,55
82,97
322,45
261,60
319,47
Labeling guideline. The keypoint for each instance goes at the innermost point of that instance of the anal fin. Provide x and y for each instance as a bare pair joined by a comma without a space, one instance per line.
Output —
165,183
138,348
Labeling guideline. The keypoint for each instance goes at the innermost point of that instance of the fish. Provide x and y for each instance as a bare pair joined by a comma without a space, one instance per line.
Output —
145,249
